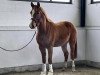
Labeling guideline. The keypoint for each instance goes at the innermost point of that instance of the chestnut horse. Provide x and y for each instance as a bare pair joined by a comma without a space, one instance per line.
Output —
51,35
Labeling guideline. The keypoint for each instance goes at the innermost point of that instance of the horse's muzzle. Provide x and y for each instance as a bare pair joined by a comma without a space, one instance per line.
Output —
32,25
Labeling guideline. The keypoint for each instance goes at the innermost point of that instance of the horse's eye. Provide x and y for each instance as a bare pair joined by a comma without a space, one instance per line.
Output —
37,12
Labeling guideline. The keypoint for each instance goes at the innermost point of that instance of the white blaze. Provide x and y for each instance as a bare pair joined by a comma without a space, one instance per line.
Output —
32,13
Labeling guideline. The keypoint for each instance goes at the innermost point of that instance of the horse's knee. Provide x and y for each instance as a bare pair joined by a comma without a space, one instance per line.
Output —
44,58
43,54
50,52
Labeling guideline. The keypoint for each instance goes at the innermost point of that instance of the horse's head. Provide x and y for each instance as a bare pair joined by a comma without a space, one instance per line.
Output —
36,15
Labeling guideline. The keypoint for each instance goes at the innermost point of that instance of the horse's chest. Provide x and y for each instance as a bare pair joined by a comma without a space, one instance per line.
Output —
43,40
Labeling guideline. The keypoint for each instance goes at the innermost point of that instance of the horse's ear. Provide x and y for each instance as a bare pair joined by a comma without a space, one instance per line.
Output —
38,4
32,5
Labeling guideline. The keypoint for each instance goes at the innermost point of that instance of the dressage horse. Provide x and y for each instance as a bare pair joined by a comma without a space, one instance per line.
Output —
51,35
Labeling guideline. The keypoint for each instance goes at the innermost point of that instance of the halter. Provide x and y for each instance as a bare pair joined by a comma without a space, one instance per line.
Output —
36,20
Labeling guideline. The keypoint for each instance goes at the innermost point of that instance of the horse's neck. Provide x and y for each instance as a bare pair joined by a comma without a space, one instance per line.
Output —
45,25
45,28
42,28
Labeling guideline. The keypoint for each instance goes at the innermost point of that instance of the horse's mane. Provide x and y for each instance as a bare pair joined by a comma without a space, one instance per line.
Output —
42,10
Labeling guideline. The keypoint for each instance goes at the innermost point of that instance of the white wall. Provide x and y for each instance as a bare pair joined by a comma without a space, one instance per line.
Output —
93,31
92,14
93,45
17,13
31,54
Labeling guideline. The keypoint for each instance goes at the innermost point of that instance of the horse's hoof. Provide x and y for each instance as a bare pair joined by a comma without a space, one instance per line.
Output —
43,73
50,73
64,68
73,70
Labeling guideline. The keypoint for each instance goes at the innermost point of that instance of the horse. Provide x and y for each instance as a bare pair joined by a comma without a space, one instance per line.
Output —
50,34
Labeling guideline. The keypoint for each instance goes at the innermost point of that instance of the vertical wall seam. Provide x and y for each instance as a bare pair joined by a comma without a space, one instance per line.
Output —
82,12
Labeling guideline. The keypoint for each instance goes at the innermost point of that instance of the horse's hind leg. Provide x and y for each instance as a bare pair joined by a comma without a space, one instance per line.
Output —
73,52
64,49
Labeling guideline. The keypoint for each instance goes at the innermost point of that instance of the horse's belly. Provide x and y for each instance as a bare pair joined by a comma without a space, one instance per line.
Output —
60,43
57,44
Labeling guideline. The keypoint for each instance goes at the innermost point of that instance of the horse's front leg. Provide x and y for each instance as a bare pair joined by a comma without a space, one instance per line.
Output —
50,52
43,54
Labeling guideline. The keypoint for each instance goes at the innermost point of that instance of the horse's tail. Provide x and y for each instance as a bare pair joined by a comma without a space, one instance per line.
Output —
72,40
73,44
75,51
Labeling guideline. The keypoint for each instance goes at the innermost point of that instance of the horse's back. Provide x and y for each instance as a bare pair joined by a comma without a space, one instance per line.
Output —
63,32
65,26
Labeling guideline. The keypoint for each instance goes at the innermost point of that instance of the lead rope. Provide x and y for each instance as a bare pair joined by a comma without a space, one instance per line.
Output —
19,48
